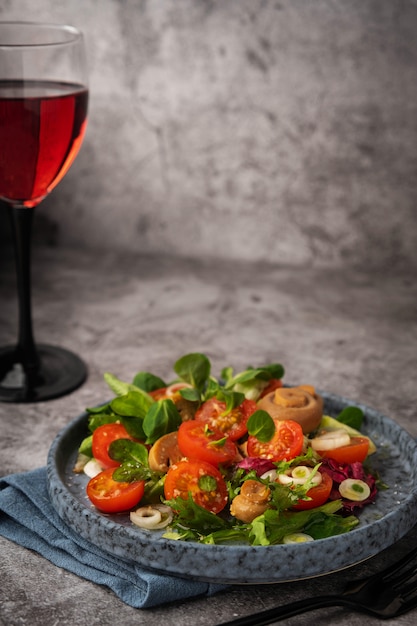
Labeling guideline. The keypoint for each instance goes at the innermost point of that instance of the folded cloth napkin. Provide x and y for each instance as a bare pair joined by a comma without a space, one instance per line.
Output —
28,518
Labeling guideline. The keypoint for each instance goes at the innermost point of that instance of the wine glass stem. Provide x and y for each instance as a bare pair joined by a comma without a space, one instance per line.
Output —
21,222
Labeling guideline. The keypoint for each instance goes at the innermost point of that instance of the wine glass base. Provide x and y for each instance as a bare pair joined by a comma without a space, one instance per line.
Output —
59,372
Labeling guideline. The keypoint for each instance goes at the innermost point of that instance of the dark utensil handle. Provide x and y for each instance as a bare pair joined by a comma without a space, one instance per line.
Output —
288,610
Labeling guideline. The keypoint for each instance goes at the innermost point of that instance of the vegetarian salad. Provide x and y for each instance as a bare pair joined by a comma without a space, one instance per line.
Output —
240,458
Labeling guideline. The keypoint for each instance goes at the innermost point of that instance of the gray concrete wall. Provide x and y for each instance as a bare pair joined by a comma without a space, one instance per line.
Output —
282,130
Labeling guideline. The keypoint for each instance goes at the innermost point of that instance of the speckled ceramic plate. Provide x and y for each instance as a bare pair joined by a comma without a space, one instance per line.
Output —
381,524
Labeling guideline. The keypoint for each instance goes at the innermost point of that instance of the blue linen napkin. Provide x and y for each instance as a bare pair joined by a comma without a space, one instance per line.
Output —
28,518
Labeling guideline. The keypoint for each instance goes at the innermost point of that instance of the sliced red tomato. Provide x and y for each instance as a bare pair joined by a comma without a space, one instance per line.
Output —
112,496
286,443
318,494
355,451
196,440
200,479
103,437
274,383
232,423
158,394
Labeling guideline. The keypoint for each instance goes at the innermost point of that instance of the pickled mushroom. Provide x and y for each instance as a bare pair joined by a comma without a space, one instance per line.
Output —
301,404
252,501
165,452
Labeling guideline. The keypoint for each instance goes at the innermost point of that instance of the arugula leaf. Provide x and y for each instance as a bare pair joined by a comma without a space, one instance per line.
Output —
135,466
252,381
227,374
194,368
194,516
99,415
191,394
119,387
154,490
132,409
86,446
258,533
134,426
135,403
251,374
261,425
351,416
232,399
228,535
98,419
133,457
123,450
148,382
248,375
131,472
103,408
278,524
283,498
213,387
274,370
163,417
323,525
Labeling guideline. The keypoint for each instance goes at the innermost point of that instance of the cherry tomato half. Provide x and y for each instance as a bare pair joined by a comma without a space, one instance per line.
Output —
196,440
318,494
355,451
111,496
232,423
286,443
202,480
103,437
158,394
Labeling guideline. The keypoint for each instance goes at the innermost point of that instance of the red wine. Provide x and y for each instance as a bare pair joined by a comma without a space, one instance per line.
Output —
42,125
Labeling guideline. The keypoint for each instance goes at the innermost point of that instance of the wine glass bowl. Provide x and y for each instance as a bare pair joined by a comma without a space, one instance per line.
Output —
43,118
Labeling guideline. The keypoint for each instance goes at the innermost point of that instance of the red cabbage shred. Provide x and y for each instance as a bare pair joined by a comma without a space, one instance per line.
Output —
339,472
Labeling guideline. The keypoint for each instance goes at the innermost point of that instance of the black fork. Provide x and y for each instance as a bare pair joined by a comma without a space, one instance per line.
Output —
385,595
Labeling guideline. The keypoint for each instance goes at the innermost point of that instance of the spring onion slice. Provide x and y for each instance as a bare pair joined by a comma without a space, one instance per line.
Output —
330,440
299,476
152,517
92,468
354,489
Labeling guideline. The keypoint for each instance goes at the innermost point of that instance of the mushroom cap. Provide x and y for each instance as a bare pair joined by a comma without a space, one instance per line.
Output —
301,404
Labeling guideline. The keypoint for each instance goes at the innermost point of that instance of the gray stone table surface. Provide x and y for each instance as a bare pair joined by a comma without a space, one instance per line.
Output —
350,333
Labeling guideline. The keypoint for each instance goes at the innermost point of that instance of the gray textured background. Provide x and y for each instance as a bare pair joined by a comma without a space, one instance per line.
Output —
244,132
282,130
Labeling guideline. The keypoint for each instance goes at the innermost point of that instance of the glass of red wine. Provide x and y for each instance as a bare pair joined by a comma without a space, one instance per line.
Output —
43,117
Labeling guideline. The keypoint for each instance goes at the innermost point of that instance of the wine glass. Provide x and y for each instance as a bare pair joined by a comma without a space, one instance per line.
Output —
43,117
